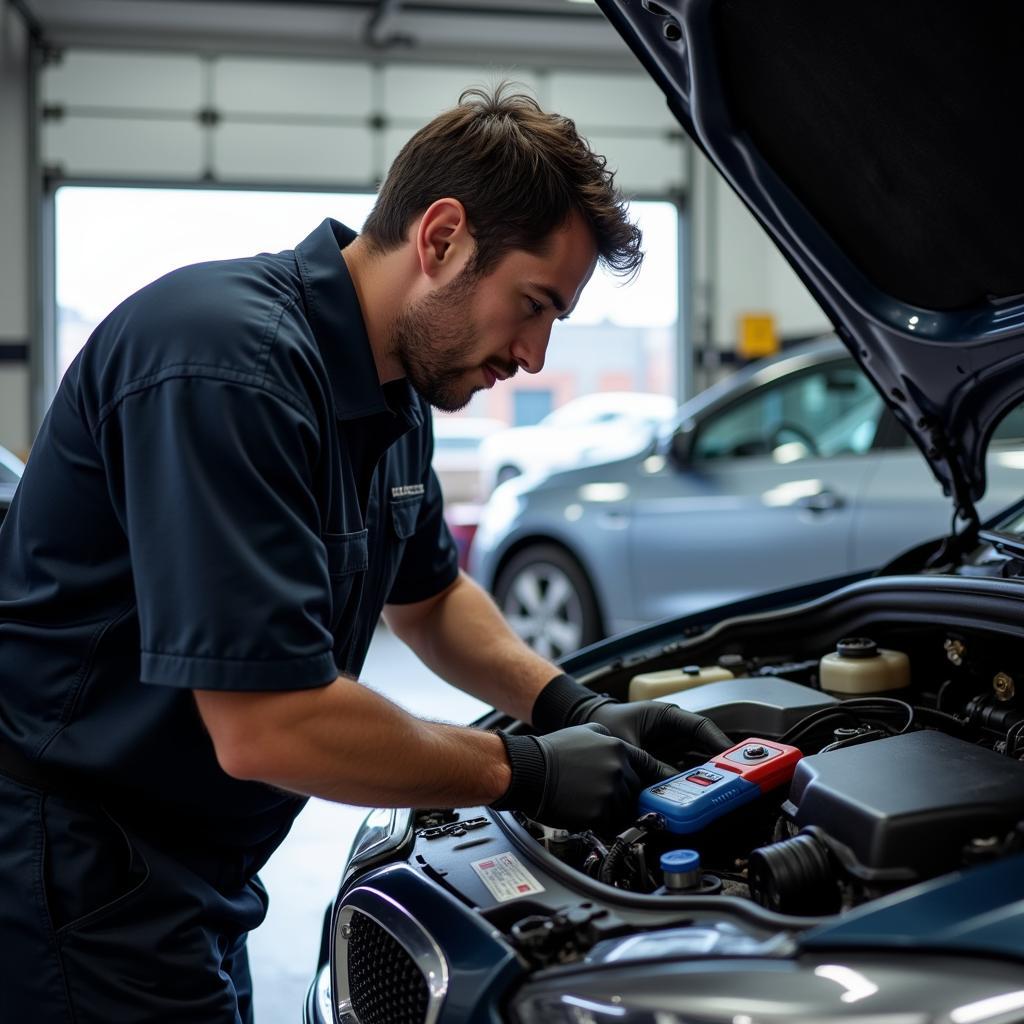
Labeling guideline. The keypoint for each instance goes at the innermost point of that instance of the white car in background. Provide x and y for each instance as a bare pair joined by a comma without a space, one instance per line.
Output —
11,468
583,430
457,459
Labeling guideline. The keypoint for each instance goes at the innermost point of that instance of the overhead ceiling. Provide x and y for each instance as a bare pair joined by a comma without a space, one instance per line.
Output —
523,32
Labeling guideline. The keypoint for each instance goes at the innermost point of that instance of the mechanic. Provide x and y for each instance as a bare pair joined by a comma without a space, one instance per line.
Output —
232,483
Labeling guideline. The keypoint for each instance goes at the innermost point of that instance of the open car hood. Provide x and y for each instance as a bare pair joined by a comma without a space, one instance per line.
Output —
878,144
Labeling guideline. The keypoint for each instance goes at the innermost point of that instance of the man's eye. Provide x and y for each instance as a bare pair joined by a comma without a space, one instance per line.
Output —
535,306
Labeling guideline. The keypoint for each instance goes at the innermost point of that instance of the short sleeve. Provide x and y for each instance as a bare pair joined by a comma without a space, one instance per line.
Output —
430,561
214,484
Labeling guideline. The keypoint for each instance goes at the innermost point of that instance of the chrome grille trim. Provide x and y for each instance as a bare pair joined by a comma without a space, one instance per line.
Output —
406,931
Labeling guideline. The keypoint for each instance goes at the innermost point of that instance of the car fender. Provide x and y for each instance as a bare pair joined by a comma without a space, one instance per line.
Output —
604,565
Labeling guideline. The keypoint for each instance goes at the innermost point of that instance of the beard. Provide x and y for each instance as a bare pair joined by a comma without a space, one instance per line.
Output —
434,340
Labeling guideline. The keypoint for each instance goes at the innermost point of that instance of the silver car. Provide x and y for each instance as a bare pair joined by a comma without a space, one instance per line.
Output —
790,471
11,468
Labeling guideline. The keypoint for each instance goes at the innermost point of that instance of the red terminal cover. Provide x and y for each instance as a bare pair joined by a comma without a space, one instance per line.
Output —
765,762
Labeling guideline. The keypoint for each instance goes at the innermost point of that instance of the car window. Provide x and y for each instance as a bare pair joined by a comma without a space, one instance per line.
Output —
828,411
1011,427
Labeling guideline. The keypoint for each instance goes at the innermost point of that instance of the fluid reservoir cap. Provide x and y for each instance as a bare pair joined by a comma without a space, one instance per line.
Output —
680,861
857,647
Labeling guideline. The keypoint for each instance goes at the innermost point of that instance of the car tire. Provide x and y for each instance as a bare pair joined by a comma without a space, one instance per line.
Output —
547,599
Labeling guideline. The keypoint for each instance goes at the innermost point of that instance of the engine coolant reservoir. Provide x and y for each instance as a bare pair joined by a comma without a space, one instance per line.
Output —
858,666
649,685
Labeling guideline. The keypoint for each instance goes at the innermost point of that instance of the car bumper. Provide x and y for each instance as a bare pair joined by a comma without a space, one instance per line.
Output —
317,1008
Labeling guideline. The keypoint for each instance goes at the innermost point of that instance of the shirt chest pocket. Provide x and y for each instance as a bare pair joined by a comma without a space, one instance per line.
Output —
404,514
347,559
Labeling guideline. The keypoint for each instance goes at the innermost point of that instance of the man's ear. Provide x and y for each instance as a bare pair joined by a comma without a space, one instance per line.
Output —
444,244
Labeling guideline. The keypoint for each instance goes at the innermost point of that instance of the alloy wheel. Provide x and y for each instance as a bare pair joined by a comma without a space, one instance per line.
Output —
543,608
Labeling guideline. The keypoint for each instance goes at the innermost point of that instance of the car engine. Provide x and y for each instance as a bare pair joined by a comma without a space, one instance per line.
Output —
877,738
894,766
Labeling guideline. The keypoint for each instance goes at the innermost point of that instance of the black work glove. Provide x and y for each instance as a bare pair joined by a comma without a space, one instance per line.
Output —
578,778
661,729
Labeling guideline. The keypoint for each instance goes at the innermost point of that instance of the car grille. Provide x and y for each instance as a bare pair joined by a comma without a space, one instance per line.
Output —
385,984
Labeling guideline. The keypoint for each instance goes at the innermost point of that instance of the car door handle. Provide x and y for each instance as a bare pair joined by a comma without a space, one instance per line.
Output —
823,501
613,520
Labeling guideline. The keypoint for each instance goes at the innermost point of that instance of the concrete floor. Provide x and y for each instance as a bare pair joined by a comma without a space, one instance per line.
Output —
303,874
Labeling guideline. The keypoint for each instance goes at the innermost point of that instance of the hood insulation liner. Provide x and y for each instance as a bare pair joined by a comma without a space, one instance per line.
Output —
898,125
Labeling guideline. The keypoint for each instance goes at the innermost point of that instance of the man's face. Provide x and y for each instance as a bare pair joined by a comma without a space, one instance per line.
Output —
473,331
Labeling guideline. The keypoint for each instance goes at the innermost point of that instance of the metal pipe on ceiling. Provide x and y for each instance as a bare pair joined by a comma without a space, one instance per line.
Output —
570,12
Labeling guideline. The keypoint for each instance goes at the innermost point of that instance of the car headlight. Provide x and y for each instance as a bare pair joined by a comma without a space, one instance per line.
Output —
905,989
383,831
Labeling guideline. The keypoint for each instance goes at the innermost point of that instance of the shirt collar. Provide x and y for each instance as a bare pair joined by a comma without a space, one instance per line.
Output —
332,306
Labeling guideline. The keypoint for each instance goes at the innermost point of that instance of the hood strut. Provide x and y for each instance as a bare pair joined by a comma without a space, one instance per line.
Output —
956,544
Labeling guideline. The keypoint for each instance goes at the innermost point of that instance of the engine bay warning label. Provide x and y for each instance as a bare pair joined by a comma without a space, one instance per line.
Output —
505,877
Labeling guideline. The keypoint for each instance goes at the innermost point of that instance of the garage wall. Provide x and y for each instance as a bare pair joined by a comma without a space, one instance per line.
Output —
141,116
745,272
243,119
735,269
15,290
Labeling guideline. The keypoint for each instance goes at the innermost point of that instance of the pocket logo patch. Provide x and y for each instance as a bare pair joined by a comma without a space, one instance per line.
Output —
407,491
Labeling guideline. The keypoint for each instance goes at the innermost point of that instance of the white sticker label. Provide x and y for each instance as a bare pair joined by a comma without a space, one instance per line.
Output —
505,877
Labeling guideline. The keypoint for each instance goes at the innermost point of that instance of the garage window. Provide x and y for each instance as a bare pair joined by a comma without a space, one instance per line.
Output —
109,242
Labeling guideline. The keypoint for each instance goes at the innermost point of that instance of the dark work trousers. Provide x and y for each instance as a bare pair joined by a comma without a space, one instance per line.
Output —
99,924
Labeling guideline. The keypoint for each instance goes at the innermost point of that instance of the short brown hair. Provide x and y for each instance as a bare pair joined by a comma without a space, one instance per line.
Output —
519,172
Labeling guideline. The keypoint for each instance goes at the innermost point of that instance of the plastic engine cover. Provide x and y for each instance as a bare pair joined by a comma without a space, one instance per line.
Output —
755,706
909,801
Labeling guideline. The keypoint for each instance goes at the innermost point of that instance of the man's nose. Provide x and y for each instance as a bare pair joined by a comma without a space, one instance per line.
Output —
529,350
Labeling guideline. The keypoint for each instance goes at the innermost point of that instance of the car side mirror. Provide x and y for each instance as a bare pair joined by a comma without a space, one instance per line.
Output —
682,444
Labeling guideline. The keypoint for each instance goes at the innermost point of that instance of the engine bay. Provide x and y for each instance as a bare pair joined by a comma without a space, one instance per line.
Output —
907,746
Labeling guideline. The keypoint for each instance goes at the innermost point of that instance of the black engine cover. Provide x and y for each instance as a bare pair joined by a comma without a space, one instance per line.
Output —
909,801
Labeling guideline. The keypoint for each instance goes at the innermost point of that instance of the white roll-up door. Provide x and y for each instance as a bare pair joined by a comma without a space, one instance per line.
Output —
180,117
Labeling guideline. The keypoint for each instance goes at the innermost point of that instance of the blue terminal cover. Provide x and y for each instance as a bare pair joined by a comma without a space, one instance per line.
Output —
680,861
693,799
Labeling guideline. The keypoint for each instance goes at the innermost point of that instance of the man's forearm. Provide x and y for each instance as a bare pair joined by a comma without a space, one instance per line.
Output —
344,742
464,639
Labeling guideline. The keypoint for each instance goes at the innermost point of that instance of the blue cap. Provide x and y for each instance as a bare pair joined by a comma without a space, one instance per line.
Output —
678,861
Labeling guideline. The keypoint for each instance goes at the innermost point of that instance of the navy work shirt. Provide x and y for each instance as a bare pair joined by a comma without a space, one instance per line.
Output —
222,497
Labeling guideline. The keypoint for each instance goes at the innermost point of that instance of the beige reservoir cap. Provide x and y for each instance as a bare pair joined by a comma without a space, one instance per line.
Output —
859,666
